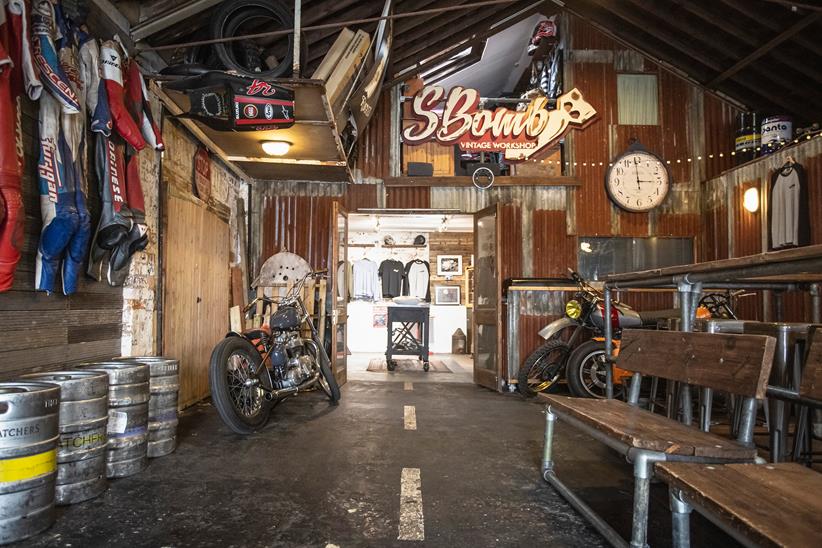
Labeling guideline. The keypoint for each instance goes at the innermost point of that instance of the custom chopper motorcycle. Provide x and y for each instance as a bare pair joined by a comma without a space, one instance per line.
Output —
251,372
580,355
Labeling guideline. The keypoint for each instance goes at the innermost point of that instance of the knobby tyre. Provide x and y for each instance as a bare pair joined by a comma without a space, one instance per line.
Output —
543,368
586,371
243,408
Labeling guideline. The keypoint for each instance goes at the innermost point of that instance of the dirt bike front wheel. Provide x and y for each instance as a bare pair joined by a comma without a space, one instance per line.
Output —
235,391
543,368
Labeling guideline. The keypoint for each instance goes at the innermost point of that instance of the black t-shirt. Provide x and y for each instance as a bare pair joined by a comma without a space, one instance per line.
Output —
392,273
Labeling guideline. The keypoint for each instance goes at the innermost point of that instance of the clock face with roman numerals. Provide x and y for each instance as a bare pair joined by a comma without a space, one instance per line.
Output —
637,181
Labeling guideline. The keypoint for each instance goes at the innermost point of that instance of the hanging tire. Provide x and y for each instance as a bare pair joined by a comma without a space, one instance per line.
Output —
242,406
586,371
543,368
239,55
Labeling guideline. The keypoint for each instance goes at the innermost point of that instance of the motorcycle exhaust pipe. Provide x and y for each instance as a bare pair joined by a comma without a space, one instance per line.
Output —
279,393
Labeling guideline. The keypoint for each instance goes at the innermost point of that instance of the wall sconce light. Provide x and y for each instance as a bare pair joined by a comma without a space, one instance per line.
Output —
276,148
750,200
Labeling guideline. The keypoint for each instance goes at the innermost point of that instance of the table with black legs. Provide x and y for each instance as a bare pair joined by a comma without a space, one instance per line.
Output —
408,334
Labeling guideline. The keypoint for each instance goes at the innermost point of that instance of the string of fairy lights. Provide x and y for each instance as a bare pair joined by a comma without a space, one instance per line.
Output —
698,158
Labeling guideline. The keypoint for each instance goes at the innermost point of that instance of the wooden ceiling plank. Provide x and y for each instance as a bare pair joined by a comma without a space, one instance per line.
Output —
742,8
766,47
468,25
434,54
723,21
170,17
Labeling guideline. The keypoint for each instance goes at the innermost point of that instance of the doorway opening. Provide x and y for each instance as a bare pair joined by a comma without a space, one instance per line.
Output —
392,263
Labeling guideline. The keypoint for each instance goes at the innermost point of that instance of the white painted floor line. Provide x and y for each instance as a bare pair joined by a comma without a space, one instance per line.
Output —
410,417
412,526
409,385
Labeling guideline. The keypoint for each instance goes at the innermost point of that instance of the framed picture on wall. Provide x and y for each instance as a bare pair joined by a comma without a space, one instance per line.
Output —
449,265
446,294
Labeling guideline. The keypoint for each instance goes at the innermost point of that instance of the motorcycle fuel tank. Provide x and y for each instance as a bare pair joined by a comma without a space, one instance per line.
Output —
285,318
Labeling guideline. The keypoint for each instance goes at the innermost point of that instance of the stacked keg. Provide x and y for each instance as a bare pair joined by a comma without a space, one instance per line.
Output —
164,385
28,457
128,395
81,451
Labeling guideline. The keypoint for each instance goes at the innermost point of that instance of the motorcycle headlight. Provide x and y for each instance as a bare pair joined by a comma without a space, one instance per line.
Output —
573,309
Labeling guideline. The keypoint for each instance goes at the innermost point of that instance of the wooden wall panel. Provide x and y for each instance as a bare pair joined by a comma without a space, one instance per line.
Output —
42,332
440,156
197,292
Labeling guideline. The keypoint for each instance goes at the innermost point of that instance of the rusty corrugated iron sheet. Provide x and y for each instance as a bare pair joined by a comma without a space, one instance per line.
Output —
720,133
747,225
553,251
408,197
374,145
361,196
299,224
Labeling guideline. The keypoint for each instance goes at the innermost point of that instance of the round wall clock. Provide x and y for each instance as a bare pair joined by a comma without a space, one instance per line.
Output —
638,180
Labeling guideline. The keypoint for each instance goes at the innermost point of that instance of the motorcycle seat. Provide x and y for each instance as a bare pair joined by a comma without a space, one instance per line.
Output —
651,317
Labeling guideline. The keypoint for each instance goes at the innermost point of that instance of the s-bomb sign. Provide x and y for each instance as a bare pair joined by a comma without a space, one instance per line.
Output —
520,134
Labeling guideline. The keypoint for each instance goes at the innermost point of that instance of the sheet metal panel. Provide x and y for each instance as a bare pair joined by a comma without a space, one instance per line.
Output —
553,250
374,145
361,196
299,224
408,197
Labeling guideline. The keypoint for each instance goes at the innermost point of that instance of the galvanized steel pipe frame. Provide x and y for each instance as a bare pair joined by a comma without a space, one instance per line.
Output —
643,461
681,507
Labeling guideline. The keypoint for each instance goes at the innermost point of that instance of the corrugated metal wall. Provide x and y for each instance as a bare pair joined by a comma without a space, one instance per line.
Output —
408,197
361,196
729,230
299,224
374,145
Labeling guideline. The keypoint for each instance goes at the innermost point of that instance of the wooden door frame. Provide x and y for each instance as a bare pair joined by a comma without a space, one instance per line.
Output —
484,377
339,313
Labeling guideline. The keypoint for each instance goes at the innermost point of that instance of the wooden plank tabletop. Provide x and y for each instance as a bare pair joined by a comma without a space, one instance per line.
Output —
794,255
769,504
642,429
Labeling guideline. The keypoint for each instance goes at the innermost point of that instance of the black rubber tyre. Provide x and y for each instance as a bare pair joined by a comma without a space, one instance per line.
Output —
543,368
586,372
228,21
328,382
243,409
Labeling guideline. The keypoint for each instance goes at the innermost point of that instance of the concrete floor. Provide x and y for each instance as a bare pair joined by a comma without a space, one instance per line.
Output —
330,477
461,366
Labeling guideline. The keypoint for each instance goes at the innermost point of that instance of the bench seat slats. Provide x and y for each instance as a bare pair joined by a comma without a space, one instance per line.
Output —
644,430
769,504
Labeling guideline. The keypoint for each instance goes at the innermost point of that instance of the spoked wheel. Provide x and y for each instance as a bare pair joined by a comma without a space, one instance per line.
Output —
587,371
327,381
543,368
237,394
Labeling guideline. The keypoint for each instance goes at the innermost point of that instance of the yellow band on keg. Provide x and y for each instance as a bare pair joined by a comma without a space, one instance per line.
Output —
24,468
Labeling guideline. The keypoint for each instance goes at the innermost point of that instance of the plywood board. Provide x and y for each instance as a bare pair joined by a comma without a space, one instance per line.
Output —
197,292
334,54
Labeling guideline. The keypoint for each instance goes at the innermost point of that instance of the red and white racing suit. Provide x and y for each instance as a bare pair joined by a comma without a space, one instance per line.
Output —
17,75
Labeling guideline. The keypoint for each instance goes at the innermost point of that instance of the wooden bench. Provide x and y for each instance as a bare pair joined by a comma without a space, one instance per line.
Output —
738,364
758,504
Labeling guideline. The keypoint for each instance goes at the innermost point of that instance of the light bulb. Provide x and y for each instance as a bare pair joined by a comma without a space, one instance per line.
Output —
276,148
750,199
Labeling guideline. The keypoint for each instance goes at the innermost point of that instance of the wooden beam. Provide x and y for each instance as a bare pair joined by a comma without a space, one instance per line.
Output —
434,40
766,47
464,181
437,53
742,9
718,19
170,17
